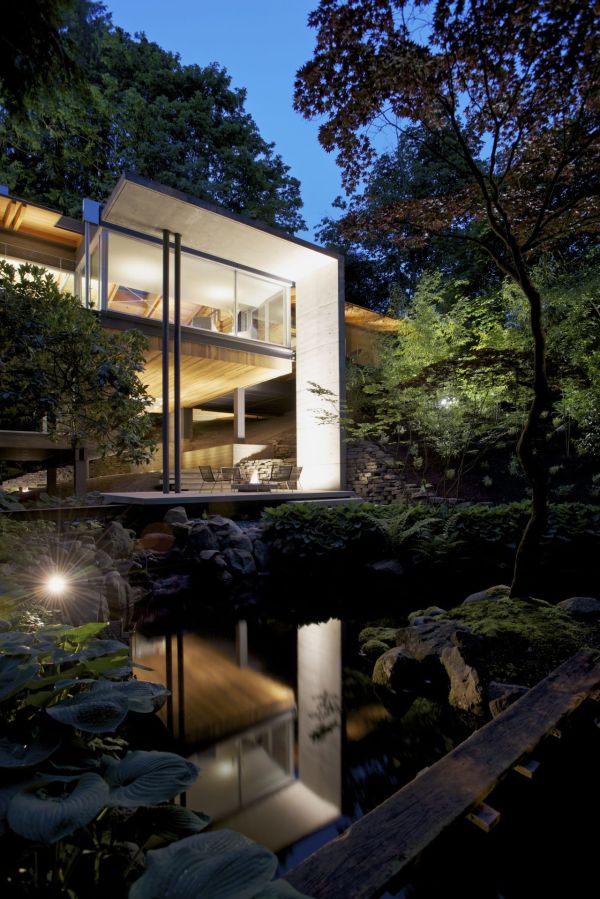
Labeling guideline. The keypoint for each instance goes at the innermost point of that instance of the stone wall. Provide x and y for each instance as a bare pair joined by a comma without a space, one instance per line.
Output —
373,474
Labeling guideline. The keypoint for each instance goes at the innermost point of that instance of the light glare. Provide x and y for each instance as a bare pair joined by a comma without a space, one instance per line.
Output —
56,584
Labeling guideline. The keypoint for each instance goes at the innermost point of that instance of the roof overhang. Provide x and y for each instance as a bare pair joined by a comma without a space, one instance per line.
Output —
149,208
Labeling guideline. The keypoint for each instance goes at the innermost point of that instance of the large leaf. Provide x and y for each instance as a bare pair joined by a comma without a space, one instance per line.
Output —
48,811
95,711
280,889
17,755
168,822
220,865
147,778
142,696
6,794
14,674
83,632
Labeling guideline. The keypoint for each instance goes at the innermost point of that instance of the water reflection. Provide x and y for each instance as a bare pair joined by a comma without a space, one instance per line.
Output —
257,742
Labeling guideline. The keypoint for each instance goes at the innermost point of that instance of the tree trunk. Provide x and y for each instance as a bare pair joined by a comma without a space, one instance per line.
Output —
527,561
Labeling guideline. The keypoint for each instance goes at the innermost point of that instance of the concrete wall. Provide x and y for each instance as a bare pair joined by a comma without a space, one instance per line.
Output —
319,709
320,359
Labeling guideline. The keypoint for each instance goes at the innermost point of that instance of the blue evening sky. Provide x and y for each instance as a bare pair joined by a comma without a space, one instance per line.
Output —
261,43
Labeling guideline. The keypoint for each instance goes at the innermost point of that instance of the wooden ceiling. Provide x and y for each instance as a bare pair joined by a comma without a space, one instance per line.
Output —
204,379
16,215
369,320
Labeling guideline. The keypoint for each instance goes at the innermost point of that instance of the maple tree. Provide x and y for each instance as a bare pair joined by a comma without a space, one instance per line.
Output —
508,97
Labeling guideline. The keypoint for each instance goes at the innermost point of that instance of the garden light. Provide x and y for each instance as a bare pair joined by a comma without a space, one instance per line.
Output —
56,585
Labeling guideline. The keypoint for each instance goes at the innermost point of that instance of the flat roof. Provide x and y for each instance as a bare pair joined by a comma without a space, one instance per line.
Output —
34,220
147,207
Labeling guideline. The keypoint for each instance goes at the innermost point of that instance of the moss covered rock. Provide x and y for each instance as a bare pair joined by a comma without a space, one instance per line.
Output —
386,635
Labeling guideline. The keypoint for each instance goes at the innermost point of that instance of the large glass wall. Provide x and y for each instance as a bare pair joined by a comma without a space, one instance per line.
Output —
214,297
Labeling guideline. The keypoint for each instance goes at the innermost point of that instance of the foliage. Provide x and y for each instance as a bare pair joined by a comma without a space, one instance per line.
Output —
305,533
35,54
141,110
452,386
525,639
57,361
509,103
77,809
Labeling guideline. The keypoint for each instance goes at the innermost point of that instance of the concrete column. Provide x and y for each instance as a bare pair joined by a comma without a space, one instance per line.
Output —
187,418
319,709
239,415
241,644
81,469
51,481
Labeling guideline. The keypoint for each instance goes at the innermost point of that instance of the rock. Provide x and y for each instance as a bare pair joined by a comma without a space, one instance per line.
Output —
236,541
397,671
387,567
4,626
466,689
262,554
168,587
223,525
103,560
225,578
500,591
116,541
201,537
372,649
240,562
385,635
176,515
422,616
581,606
207,555
425,642
500,696
116,592
160,543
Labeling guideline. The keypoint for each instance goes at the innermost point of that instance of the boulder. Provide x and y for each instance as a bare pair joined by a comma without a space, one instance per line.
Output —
223,526
201,537
160,543
466,688
387,568
240,561
168,587
421,616
426,642
262,554
500,696
372,649
116,592
116,541
4,626
396,670
176,515
103,560
385,635
500,591
581,606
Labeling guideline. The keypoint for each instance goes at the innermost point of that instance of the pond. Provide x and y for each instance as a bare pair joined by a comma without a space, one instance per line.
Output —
292,741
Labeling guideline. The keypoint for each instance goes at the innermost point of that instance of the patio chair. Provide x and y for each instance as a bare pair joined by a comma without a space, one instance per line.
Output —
232,476
281,476
209,478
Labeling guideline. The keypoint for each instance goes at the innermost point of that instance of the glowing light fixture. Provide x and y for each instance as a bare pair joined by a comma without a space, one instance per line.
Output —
56,585
445,402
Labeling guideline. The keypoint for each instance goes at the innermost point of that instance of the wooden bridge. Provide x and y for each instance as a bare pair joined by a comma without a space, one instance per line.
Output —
371,854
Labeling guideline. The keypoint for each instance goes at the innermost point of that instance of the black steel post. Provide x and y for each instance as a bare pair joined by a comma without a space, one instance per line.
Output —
165,362
177,366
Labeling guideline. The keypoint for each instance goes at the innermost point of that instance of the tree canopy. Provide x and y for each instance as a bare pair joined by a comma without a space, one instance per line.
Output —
507,99
138,109
57,362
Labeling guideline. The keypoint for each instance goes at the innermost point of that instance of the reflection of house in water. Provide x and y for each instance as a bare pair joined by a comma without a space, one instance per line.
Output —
238,724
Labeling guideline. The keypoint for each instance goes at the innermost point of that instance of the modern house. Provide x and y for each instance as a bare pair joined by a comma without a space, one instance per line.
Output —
240,318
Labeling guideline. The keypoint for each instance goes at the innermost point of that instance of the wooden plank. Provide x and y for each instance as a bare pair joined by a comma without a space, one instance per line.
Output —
484,816
362,862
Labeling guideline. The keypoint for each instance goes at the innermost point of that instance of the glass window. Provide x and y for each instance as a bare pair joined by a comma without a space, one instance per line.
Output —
134,277
261,309
63,277
207,295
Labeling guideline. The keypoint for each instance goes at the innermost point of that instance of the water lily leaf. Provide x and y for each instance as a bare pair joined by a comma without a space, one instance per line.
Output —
147,778
142,696
16,755
280,889
220,865
46,811
14,674
94,712
168,822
